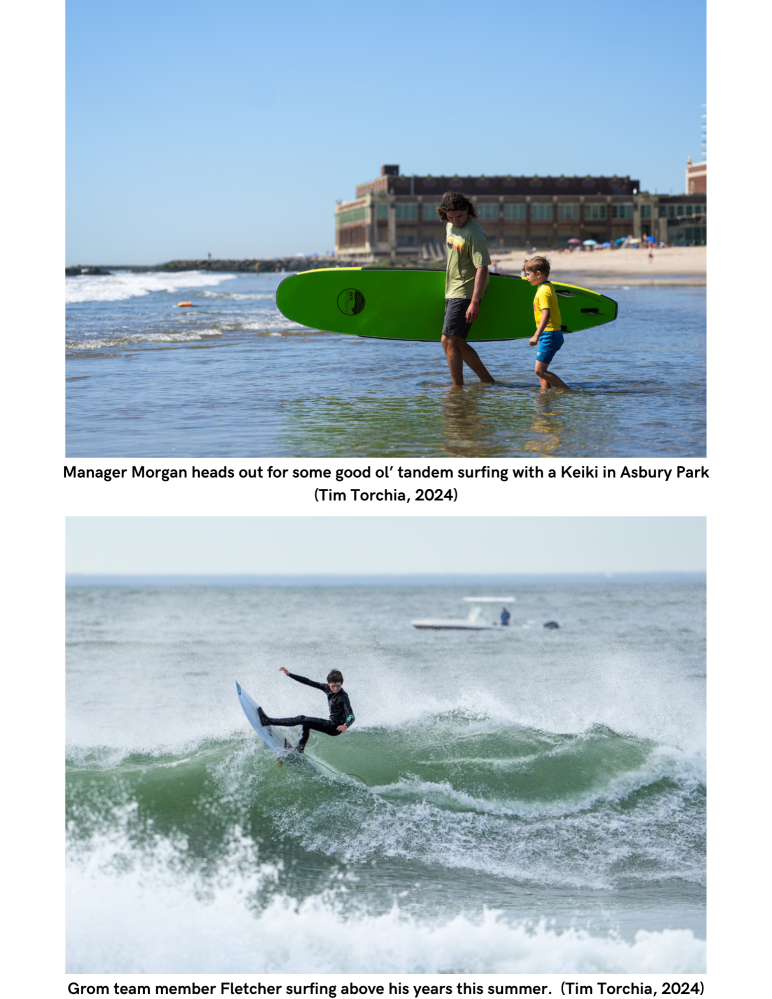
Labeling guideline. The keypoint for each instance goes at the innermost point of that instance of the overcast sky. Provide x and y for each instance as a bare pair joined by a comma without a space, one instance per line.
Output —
232,128
376,545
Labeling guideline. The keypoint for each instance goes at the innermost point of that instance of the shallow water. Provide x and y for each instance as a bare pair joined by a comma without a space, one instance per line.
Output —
232,377
520,799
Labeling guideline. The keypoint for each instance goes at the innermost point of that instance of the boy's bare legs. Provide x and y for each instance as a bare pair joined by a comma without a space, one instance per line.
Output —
458,351
548,379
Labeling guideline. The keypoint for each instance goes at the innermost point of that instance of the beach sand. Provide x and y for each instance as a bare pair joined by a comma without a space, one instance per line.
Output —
684,265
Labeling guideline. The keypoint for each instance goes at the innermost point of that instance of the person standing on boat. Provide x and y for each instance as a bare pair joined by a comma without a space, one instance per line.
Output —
341,715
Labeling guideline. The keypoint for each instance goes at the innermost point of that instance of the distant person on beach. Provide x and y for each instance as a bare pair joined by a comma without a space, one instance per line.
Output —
505,616
548,336
466,281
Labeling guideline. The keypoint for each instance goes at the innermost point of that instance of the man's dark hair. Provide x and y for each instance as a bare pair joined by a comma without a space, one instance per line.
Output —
335,676
455,201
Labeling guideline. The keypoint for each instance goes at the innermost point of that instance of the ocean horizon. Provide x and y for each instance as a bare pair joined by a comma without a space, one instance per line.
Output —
382,579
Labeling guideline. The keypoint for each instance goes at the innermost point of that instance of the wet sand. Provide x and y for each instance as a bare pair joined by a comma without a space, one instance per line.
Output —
675,265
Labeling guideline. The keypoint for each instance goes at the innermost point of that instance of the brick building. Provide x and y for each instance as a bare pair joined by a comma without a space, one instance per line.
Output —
396,216
696,177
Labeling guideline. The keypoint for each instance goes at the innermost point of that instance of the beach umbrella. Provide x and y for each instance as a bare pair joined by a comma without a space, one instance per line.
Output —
574,240
590,242
622,239
651,239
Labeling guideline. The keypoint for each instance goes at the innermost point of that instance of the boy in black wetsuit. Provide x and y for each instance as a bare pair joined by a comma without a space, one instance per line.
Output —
341,715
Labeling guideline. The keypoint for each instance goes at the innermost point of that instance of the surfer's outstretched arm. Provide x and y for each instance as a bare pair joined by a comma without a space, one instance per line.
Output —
303,679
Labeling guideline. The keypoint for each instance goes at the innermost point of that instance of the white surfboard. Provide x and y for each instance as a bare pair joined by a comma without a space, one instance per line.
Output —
272,737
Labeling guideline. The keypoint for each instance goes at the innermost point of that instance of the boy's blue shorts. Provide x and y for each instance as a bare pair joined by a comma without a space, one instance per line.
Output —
550,343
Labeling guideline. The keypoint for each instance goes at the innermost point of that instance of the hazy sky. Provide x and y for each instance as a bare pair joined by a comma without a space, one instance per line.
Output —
233,128
373,545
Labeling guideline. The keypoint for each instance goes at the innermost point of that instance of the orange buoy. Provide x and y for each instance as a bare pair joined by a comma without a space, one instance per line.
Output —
182,305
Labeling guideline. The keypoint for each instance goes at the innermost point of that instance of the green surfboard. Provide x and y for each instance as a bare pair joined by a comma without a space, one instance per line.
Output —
410,305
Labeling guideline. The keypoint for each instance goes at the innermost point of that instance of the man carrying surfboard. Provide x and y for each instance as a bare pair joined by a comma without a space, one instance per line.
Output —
341,715
466,281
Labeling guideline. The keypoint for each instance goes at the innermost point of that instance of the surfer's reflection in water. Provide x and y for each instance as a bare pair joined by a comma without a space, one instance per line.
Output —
341,715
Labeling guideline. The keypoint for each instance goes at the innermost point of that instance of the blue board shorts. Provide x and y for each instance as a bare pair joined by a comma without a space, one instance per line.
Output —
455,318
549,344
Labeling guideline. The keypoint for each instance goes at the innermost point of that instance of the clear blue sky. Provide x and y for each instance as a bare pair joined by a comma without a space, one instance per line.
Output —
233,128
376,545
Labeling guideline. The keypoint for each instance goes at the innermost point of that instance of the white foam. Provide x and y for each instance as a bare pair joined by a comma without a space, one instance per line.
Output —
126,284
266,324
126,341
596,849
134,923
236,297
616,692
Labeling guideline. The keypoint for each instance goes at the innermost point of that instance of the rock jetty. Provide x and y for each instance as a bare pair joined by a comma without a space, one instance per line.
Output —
252,265
77,271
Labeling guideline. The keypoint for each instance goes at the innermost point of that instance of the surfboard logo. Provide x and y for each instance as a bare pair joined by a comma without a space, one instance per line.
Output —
351,302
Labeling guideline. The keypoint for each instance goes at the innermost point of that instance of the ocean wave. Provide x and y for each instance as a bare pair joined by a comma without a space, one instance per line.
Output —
280,322
687,771
185,861
125,284
185,336
478,764
140,919
638,818
598,849
238,297
115,758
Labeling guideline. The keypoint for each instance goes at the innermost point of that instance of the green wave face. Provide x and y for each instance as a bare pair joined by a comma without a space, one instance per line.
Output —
491,766
409,305
452,793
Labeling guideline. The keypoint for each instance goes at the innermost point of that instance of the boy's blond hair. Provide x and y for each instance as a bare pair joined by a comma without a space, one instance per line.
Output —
537,264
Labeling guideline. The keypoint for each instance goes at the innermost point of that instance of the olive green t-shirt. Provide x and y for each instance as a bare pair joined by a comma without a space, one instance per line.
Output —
467,250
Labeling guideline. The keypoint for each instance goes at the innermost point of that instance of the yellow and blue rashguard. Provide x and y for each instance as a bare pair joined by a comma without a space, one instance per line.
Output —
551,339
546,298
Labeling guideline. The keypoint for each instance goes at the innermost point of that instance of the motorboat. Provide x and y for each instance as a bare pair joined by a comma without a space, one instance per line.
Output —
478,618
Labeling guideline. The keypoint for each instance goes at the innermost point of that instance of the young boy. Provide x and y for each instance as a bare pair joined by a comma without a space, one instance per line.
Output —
466,281
548,335
341,715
